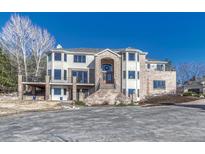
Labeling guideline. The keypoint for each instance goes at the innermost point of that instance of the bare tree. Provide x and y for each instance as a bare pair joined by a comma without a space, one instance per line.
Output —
22,40
187,71
42,42
15,38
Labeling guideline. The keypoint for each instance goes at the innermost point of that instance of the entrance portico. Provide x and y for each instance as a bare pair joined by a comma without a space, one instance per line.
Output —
107,68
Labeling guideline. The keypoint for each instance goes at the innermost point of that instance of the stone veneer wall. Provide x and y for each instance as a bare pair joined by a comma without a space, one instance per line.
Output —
147,78
168,76
117,67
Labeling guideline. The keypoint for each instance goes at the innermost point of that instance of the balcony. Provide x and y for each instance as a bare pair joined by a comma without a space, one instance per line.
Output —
33,79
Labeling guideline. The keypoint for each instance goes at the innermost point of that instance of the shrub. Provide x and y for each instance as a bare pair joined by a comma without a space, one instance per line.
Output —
188,94
80,103
195,95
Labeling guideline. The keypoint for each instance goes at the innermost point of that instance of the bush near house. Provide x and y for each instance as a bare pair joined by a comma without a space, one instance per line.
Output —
167,100
192,94
80,103
187,94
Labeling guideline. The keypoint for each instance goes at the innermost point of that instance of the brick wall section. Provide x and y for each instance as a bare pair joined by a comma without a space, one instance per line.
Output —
147,78
74,89
142,76
168,76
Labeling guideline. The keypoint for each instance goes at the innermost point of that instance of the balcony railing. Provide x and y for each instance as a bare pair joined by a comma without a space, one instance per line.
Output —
33,79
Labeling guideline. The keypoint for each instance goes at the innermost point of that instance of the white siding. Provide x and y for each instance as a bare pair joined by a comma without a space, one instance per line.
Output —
89,62
130,66
57,97
64,65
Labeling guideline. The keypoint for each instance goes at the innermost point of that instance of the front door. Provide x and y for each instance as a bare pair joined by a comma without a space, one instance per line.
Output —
107,70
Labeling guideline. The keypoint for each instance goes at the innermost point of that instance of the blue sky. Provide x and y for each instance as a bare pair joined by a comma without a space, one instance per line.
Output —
177,36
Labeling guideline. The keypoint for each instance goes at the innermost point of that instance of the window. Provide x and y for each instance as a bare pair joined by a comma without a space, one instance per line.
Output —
49,57
124,91
138,93
131,56
138,75
131,91
57,74
148,66
131,74
82,76
107,67
138,57
49,72
65,75
65,57
124,56
124,74
159,84
79,58
159,67
57,56
64,91
57,91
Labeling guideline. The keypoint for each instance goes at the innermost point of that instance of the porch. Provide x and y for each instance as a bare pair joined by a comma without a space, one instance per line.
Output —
43,89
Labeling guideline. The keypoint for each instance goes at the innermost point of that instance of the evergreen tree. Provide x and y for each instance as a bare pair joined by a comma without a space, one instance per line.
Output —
8,76
169,65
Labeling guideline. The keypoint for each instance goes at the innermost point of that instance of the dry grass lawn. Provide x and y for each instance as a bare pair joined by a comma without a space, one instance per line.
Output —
15,106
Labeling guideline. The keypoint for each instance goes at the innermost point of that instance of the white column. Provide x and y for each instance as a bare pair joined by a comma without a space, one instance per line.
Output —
52,66
126,67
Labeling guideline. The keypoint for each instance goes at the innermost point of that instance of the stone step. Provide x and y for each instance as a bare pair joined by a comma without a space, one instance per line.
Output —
107,86
101,96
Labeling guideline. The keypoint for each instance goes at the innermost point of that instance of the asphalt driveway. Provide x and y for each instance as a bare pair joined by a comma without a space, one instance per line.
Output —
161,123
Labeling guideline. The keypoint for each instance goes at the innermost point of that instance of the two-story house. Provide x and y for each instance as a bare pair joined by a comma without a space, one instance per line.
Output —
88,70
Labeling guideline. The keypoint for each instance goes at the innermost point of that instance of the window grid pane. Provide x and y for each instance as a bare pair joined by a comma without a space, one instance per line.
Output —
131,56
82,76
57,91
57,56
131,74
131,91
79,58
65,57
57,74
49,57
124,74
65,74
159,84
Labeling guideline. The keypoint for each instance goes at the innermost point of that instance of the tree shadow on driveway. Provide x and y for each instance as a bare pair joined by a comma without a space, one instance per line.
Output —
196,106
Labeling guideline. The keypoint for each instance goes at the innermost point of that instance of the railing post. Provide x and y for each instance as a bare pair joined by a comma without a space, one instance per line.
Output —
81,95
20,87
47,87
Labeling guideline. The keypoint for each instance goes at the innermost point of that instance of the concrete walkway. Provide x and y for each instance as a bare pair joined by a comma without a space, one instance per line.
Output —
185,122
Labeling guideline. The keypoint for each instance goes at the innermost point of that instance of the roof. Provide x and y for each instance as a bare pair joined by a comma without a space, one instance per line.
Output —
96,50
197,81
156,61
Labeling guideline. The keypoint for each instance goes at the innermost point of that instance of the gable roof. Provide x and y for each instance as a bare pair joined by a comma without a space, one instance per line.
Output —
107,50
